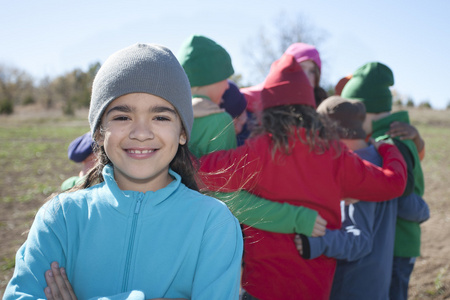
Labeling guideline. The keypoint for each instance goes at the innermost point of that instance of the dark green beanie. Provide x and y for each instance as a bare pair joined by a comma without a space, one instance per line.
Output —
370,84
204,61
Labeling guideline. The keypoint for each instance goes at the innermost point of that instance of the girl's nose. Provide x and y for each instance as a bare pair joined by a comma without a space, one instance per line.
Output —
142,131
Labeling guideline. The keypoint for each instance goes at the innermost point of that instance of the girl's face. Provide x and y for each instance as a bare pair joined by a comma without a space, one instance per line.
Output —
141,134
309,67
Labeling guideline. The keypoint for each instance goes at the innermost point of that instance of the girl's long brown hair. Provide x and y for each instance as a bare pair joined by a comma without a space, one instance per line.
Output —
283,122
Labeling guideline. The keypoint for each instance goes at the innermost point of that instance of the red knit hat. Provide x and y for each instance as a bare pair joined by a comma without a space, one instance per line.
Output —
287,84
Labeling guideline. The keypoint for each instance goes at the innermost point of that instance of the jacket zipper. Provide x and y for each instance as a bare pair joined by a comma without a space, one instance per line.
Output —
131,244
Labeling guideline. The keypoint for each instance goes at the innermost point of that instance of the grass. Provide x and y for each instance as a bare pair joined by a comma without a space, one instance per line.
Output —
8,263
439,286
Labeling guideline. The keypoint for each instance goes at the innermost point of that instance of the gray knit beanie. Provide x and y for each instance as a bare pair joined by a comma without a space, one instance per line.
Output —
142,68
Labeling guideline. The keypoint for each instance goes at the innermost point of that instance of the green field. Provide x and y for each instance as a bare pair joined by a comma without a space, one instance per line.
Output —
33,161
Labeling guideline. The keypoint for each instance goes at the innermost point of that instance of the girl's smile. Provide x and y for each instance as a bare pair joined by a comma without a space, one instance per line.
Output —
140,153
141,133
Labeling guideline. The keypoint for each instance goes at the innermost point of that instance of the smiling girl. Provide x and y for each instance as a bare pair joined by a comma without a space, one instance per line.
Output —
136,228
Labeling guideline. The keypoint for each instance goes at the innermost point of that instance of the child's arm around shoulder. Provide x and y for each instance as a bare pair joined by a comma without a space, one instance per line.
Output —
365,181
413,208
405,131
353,241
273,216
229,170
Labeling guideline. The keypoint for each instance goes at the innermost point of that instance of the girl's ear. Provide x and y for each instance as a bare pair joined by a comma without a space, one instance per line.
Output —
182,138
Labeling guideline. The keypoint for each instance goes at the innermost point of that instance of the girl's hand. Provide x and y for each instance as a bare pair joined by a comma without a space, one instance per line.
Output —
319,227
58,286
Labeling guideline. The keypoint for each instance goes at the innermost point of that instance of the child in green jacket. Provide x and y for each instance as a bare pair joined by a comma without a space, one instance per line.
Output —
370,84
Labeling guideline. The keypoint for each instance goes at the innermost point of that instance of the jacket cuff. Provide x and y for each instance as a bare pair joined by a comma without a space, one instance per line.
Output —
305,246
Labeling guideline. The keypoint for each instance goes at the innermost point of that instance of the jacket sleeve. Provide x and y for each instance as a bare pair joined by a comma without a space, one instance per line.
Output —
413,208
45,244
218,269
363,180
409,160
269,215
230,170
353,240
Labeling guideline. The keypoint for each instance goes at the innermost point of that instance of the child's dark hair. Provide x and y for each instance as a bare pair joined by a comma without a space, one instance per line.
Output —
282,123
182,164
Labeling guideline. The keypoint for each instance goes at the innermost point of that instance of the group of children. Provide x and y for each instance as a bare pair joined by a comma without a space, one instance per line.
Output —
172,134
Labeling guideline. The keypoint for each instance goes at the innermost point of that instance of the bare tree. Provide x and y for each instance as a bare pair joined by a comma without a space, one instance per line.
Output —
271,41
16,87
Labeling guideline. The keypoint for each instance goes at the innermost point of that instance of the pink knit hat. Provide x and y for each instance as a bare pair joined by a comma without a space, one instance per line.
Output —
302,52
287,84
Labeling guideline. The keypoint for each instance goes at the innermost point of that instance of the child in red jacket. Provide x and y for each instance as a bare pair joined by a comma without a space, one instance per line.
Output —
295,158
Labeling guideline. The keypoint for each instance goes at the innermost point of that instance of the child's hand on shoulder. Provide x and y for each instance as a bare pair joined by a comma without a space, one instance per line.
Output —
403,131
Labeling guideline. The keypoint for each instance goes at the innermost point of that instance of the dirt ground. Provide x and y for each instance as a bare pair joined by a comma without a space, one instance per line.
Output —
430,278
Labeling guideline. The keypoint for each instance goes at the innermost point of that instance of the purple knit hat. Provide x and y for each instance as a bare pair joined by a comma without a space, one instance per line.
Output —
80,148
234,101
302,52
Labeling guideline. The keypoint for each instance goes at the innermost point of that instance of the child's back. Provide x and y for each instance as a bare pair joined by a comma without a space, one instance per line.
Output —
313,176
370,84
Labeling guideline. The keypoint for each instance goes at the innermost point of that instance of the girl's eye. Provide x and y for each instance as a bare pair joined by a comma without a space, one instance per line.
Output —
121,118
162,118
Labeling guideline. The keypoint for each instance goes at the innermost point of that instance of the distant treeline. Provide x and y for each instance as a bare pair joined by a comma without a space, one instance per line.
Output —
68,92
72,90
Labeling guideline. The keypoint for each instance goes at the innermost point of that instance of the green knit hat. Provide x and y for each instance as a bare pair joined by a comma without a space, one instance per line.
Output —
370,84
204,61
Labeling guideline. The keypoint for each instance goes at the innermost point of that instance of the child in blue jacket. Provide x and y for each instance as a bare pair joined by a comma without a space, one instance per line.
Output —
137,228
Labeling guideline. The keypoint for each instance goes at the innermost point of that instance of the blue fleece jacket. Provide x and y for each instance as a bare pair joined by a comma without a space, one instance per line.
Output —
172,243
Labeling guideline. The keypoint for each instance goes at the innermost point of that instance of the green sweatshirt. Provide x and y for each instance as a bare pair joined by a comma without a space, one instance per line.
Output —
213,128
407,234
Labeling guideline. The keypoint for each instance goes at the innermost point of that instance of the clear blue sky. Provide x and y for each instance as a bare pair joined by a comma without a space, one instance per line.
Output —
49,38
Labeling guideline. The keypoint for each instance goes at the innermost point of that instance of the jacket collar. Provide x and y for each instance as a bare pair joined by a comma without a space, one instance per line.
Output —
125,201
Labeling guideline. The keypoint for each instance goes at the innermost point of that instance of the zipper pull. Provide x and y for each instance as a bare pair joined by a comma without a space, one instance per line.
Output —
138,205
